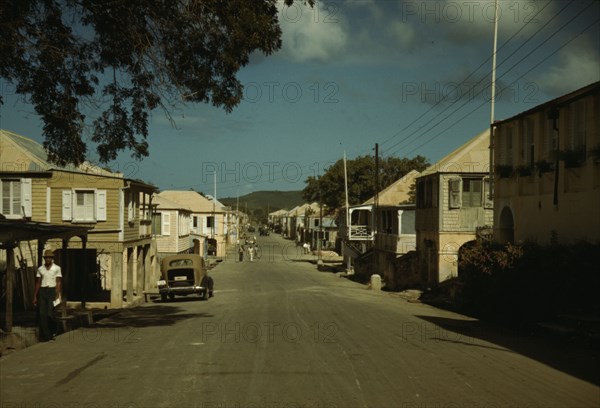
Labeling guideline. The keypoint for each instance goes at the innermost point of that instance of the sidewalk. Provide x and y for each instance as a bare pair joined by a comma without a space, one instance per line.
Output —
25,332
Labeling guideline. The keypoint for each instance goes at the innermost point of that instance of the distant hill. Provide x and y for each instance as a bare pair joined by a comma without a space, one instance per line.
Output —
266,200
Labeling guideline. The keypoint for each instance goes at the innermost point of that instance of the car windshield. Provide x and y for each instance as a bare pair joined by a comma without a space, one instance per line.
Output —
181,262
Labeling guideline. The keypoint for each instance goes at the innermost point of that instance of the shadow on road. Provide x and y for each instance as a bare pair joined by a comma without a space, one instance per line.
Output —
156,315
569,358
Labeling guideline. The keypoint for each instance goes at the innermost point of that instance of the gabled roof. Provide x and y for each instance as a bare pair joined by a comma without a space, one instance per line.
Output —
218,204
304,208
471,157
39,158
16,147
293,211
193,200
278,213
166,204
396,193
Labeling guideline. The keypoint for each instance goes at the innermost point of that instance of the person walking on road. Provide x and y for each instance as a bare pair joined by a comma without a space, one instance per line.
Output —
48,285
241,253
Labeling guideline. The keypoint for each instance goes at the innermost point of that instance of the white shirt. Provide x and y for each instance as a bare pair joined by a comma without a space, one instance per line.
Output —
48,275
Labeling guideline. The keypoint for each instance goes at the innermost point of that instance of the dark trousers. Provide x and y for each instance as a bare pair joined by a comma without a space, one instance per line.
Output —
46,313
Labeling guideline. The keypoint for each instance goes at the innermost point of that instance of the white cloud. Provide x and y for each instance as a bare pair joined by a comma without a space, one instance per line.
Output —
312,34
402,34
578,66
470,21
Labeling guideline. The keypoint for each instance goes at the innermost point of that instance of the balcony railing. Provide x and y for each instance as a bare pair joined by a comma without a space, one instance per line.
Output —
361,232
145,228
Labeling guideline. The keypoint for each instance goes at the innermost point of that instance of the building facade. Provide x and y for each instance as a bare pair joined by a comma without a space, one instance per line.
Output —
547,171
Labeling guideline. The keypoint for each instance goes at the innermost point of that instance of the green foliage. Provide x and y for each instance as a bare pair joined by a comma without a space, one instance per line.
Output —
361,179
521,284
124,59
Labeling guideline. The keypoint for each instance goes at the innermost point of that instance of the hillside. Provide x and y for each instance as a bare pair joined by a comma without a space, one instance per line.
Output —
265,200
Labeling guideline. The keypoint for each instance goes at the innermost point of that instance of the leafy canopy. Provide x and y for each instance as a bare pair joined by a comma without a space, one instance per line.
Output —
361,179
121,59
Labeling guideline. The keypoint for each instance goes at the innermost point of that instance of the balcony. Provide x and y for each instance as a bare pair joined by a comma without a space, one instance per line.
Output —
360,233
145,228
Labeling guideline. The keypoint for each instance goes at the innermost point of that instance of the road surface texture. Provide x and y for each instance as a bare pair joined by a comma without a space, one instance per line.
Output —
279,333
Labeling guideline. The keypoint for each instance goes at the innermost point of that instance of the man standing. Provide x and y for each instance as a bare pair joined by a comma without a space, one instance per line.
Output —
48,280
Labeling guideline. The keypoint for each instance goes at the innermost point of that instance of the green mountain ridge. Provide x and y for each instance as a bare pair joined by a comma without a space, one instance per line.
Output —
265,201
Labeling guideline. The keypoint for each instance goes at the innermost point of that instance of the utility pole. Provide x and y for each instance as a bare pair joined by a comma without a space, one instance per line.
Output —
349,266
214,205
376,204
493,105
320,233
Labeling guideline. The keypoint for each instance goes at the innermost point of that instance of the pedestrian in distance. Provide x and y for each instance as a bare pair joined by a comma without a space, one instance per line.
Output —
306,247
48,285
241,253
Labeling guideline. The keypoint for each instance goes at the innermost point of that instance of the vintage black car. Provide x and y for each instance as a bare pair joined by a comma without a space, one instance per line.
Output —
184,274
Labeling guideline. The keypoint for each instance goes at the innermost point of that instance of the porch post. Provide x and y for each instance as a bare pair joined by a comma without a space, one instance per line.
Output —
116,277
10,273
130,252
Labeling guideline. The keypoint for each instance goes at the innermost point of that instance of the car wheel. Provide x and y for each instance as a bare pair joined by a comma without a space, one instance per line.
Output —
171,296
163,297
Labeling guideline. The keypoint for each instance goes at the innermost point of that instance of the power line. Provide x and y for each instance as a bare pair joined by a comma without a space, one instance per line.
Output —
531,69
481,91
468,76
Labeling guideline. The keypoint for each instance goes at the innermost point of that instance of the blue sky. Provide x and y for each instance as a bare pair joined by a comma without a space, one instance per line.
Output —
404,74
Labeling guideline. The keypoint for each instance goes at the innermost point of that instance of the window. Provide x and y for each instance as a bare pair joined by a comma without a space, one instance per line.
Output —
527,146
157,224
11,197
488,194
506,145
184,225
84,205
133,205
15,198
161,224
454,198
471,192
578,126
550,135
427,193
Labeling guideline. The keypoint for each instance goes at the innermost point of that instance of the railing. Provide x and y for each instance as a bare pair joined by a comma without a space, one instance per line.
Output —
361,232
145,228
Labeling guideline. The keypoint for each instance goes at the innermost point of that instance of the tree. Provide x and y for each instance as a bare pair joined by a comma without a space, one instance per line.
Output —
117,60
361,179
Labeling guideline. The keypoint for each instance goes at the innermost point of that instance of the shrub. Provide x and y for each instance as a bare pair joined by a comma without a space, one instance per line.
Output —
520,284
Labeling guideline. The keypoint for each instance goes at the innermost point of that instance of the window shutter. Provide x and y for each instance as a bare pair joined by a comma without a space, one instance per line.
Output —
26,197
130,215
488,201
454,193
67,205
166,224
100,205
